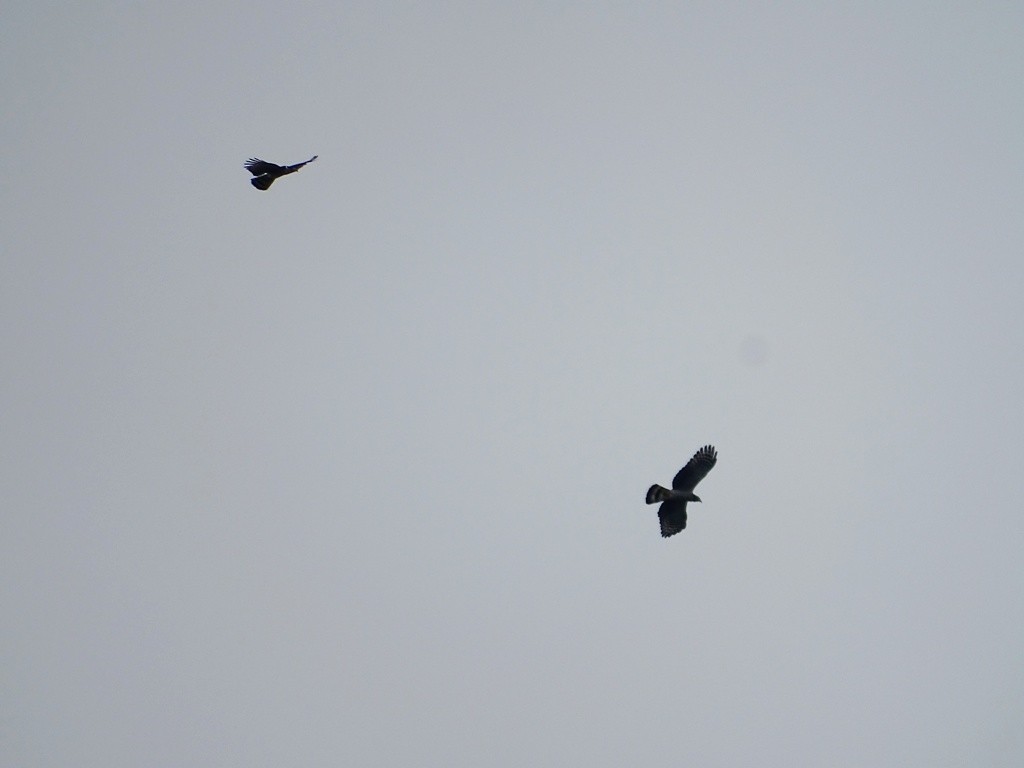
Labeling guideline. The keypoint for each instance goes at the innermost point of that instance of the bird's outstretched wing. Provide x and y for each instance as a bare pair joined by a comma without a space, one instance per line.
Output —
299,165
258,167
672,515
695,470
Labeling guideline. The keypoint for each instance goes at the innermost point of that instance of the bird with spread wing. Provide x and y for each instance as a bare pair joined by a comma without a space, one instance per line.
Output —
264,173
672,512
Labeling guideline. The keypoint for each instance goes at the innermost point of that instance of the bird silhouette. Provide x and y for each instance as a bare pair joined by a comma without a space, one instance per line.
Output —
264,173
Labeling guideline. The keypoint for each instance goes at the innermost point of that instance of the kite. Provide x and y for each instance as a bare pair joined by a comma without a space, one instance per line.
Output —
264,173
672,512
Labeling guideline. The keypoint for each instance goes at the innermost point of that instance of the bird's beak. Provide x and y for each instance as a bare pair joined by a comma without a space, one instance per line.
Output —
697,498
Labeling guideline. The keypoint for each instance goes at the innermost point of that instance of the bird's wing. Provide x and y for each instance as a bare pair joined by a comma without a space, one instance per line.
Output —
672,515
258,167
696,468
299,165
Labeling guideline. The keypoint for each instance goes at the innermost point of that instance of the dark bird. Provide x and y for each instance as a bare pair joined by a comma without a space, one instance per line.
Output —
672,512
264,173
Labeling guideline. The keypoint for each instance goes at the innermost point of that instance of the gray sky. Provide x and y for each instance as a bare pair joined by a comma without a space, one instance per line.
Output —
351,472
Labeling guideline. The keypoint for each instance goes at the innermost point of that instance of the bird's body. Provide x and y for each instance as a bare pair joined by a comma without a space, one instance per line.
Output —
672,512
264,173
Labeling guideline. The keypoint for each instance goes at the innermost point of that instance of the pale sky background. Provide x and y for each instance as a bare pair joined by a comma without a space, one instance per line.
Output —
351,472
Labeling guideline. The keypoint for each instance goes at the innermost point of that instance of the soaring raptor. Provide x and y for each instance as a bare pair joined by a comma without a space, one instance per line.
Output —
264,173
672,512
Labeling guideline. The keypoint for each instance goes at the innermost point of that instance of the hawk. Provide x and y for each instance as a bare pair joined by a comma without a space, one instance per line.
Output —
672,512
264,173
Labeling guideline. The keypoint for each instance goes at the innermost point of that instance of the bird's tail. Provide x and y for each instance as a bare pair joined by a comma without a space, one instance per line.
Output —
656,493
262,182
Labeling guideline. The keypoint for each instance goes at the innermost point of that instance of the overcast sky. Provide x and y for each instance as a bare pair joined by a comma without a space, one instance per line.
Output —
351,472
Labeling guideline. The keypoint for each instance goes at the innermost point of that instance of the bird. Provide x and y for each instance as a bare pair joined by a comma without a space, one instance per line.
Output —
672,512
264,173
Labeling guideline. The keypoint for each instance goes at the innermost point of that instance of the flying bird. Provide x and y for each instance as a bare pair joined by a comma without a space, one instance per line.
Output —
672,512
264,173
